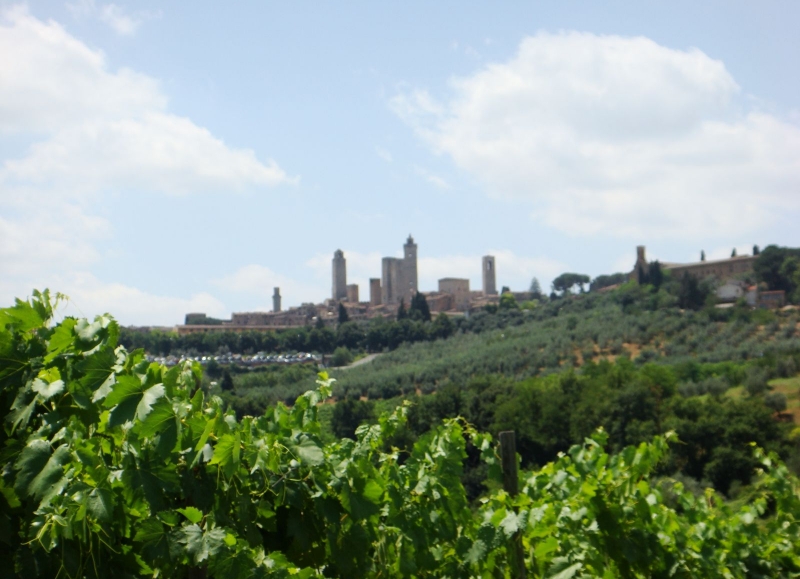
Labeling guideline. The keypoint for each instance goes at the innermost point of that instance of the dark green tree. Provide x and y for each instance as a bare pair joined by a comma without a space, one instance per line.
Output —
442,326
341,357
402,314
508,302
227,381
756,251
655,275
350,335
213,369
419,309
343,315
602,281
536,289
733,252
702,255
566,281
779,268
692,294
349,414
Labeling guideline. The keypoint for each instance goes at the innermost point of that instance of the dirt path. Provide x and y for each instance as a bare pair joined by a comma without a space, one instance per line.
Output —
364,360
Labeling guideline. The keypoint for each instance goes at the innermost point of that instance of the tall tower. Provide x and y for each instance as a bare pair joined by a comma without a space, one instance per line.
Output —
374,291
339,276
409,275
389,275
276,300
489,277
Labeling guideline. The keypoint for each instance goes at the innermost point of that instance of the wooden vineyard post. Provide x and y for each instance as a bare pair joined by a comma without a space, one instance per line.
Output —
508,453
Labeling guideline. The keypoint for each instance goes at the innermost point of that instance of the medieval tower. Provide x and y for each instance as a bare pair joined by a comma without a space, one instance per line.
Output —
339,276
399,275
409,276
489,279
276,300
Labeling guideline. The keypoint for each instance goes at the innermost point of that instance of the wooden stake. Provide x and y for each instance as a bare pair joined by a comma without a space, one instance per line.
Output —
508,454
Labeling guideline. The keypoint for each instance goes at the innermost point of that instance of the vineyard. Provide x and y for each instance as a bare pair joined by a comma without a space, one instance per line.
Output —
114,463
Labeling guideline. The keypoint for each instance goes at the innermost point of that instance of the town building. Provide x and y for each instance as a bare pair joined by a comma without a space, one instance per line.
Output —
720,268
352,293
399,275
459,289
339,291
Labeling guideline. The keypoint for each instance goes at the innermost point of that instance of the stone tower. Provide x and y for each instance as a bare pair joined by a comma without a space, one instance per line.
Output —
276,300
374,291
489,276
389,273
409,275
339,276
399,275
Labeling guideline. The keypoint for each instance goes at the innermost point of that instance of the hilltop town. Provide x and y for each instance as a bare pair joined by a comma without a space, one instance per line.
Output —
398,285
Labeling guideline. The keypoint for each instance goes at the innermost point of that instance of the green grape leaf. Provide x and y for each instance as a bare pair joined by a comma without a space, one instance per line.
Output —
22,317
61,340
558,571
22,408
149,397
194,515
97,368
100,504
476,552
154,539
226,454
308,451
39,468
199,545
47,390
125,388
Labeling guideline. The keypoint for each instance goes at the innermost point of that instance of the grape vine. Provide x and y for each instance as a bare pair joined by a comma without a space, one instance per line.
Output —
114,465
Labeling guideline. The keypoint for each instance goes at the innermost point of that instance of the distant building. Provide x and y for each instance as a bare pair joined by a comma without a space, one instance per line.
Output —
730,292
374,291
276,300
459,289
339,264
399,275
489,276
721,268
352,293
195,318
772,300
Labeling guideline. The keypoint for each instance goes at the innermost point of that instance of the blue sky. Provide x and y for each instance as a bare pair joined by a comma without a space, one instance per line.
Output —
158,158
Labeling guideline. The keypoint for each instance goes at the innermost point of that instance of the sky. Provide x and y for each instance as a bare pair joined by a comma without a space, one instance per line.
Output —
164,158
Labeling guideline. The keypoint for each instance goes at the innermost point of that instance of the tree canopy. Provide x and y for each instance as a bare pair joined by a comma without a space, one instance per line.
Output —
567,281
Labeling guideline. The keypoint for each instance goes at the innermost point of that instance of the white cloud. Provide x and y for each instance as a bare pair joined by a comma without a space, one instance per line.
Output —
157,152
104,129
603,134
435,180
93,131
90,296
53,242
384,154
114,16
